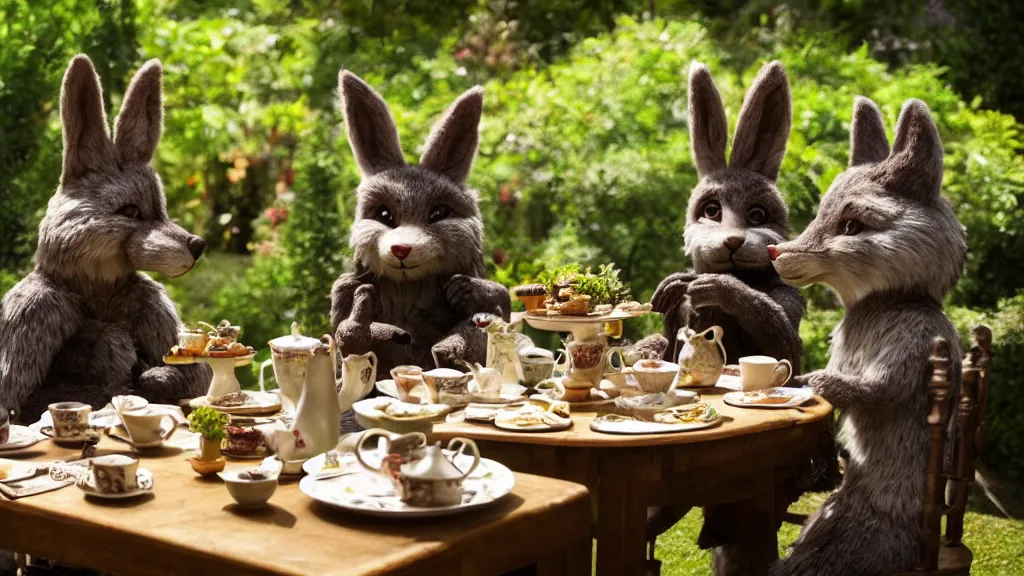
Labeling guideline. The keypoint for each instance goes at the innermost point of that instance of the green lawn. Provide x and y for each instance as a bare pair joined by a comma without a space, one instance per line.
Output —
997,542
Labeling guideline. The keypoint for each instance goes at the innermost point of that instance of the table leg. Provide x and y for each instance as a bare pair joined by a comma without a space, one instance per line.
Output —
753,545
621,517
574,560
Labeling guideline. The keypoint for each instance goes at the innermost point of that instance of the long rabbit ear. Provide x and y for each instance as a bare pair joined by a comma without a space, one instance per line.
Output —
362,305
84,127
138,126
762,130
708,127
914,167
868,142
371,130
451,146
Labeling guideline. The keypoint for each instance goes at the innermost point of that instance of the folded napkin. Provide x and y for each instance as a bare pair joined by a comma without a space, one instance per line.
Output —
51,477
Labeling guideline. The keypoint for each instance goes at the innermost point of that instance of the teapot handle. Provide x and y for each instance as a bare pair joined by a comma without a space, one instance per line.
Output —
371,433
622,359
263,369
718,332
464,443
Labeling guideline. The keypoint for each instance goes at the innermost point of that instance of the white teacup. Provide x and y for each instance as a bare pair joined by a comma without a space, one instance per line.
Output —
411,385
148,425
758,372
115,474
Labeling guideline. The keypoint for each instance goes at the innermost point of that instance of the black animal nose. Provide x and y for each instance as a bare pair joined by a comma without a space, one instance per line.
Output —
733,243
196,245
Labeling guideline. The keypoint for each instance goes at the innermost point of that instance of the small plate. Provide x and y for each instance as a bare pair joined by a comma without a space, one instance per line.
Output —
266,403
797,396
143,477
87,437
17,471
608,425
532,428
21,437
182,360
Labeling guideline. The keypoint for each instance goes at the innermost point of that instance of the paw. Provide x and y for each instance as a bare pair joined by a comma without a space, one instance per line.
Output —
387,333
712,290
670,291
353,337
816,381
447,352
462,293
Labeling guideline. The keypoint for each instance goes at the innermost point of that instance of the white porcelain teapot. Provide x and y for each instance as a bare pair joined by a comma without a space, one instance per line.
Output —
290,356
317,424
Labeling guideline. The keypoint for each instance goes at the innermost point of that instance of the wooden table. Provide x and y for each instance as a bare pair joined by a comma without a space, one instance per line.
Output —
751,457
190,525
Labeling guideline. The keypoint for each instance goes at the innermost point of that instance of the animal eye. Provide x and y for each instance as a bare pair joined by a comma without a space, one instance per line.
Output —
757,215
851,227
712,210
384,216
439,212
130,211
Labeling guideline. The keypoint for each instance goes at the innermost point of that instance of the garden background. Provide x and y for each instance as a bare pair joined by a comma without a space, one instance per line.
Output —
584,153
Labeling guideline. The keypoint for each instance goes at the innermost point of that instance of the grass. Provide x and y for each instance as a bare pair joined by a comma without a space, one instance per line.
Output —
997,542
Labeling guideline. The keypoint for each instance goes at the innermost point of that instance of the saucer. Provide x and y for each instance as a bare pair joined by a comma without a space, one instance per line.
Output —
143,477
93,436
15,471
21,437
260,403
119,433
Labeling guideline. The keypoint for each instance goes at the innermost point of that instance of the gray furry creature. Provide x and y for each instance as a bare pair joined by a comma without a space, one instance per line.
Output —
890,247
734,214
85,324
418,240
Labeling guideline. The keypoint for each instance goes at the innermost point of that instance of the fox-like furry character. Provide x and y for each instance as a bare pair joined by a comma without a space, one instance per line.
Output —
417,237
890,247
734,214
85,324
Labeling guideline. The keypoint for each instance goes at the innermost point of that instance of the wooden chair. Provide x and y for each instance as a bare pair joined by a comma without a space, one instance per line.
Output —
946,493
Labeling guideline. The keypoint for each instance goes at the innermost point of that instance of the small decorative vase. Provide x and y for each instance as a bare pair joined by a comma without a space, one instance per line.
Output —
503,356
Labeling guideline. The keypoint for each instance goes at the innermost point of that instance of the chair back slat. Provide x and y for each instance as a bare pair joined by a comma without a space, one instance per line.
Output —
980,358
934,502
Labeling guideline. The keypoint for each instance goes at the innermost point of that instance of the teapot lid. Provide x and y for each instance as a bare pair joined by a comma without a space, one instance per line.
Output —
433,466
294,342
444,373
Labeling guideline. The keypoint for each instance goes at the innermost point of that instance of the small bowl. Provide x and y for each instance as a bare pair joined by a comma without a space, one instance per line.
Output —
654,376
249,493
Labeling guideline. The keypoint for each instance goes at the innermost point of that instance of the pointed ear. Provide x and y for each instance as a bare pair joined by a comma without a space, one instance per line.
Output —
762,130
868,142
371,130
708,127
451,146
83,121
915,165
137,128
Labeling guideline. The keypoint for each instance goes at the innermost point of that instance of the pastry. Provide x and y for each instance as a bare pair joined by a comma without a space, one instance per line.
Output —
532,295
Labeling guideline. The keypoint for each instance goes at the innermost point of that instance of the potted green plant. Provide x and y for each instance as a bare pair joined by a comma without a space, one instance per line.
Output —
209,424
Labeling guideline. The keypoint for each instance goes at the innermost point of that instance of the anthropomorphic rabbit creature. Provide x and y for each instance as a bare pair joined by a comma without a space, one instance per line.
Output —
890,247
734,214
86,324
418,240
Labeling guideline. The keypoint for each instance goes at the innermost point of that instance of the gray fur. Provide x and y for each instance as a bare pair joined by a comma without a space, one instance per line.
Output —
736,287
420,306
85,324
891,276
733,284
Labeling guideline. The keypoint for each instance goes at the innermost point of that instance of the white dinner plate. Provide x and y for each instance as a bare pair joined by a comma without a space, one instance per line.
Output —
797,396
265,403
614,426
372,494
15,471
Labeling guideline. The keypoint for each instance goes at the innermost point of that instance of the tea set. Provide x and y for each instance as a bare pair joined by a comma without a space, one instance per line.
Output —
115,477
